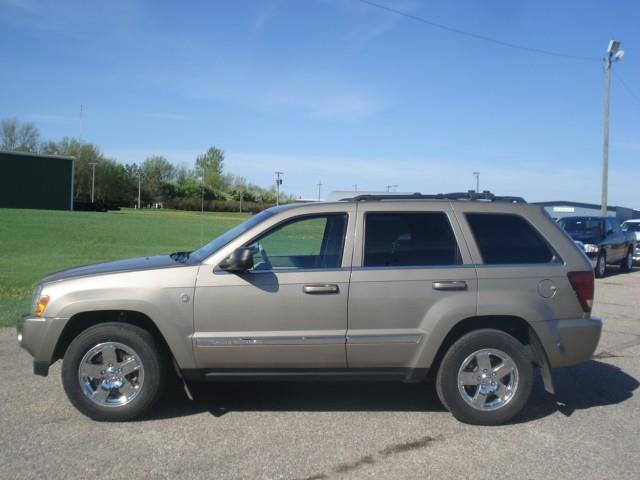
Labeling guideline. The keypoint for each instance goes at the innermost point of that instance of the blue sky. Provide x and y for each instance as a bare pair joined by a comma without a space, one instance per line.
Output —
337,91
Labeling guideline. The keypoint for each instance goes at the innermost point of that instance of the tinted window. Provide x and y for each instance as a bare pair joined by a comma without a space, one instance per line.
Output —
409,239
582,225
504,238
307,242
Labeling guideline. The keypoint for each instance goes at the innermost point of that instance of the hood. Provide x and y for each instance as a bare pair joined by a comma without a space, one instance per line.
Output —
129,264
585,237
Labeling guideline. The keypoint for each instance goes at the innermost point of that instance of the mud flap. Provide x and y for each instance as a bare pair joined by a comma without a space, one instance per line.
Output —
540,358
184,382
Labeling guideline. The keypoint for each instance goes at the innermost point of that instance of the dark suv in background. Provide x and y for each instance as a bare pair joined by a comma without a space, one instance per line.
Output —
603,240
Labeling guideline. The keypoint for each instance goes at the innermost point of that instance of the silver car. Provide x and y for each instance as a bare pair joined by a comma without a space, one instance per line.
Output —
472,292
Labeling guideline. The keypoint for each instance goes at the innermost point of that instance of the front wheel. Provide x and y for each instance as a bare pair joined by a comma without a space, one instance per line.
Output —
601,265
114,372
626,265
485,378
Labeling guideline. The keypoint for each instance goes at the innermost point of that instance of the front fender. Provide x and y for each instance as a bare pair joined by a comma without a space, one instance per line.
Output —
166,298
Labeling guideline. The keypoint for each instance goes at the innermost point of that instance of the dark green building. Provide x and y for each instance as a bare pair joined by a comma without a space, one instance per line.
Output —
31,180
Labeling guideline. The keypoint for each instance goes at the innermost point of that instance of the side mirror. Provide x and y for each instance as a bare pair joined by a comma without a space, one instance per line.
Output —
240,260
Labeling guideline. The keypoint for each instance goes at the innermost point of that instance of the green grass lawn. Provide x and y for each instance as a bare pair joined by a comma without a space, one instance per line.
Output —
36,242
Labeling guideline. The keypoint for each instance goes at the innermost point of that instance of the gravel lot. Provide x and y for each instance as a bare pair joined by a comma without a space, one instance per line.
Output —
590,429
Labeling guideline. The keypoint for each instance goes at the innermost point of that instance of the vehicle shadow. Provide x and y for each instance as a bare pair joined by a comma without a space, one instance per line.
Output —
592,384
588,385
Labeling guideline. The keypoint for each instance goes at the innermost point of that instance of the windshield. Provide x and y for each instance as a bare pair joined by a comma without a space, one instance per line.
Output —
219,242
582,225
631,227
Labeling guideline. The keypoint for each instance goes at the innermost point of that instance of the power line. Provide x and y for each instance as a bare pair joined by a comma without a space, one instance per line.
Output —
626,86
476,35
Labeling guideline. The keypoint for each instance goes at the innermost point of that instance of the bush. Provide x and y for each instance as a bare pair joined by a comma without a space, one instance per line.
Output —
194,204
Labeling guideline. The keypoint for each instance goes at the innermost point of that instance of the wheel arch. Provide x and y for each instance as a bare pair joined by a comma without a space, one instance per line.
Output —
81,321
515,326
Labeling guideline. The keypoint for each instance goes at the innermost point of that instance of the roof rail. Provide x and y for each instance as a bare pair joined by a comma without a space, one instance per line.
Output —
471,195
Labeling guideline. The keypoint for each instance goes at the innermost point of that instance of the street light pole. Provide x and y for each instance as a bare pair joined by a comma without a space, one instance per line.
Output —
278,183
613,55
93,178
319,190
477,175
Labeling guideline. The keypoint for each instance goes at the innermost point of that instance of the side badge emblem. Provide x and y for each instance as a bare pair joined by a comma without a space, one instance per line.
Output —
184,297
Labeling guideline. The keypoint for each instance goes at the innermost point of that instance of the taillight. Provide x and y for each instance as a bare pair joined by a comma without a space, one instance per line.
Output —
582,283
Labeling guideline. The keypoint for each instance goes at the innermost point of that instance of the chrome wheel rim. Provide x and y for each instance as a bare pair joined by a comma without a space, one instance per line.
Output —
488,379
111,374
601,265
629,261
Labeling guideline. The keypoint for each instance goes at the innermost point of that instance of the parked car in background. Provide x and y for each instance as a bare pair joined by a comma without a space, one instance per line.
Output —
603,240
634,226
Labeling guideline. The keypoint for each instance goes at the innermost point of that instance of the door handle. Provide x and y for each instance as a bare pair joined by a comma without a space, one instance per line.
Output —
319,289
450,285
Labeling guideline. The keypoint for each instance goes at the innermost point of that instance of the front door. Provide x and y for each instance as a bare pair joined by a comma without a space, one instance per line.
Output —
290,310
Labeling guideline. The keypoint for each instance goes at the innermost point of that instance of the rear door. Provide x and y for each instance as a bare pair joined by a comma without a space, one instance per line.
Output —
411,268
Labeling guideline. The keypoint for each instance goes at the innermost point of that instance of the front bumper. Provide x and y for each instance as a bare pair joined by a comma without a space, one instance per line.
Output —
569,342
593,257
38,336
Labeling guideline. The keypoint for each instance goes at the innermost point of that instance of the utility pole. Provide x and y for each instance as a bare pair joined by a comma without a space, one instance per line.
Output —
477,175
81,119
139,185
319,190
389,187
278,183
355,187
613,55
93,178
202,195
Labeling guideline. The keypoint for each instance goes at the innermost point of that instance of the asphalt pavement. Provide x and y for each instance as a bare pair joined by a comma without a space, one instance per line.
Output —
589,429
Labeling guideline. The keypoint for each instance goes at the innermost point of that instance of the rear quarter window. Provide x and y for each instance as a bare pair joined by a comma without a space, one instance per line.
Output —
508,239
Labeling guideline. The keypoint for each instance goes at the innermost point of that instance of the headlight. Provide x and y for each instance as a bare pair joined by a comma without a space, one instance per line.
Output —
35,298
43,301
39,302
590,248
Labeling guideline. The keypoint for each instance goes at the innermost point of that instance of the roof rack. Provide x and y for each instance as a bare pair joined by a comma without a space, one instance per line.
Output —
471,195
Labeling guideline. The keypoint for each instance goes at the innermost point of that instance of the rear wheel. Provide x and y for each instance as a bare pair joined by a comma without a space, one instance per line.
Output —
626,265
114,372
485,378
601,265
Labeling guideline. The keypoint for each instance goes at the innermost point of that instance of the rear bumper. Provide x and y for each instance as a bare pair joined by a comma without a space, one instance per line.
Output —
569,342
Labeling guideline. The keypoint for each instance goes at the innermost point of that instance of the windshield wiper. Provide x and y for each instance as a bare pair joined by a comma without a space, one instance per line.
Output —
181,257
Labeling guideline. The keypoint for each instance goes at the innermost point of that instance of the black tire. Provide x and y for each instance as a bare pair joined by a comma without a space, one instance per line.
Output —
152,364
626,265
601,265
447,380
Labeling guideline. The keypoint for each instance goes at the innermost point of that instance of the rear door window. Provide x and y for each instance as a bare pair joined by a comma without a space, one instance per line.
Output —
411,239
508,239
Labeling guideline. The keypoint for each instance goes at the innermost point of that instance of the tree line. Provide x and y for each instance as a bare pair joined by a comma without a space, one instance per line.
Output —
205,185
